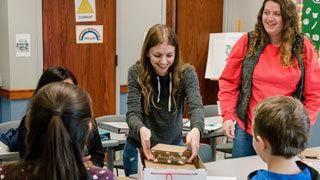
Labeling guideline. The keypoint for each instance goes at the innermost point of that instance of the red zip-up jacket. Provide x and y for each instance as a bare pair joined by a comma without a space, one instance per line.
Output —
269,78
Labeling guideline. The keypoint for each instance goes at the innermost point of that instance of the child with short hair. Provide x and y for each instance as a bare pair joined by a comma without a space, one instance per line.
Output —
280,132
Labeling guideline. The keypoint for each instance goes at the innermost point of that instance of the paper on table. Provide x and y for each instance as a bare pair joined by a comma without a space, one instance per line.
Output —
220,178
210,123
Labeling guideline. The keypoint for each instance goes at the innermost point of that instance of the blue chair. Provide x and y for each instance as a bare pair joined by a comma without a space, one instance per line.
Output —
205,152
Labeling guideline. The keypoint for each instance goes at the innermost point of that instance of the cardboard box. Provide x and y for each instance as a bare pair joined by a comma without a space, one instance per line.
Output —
159,171
311,153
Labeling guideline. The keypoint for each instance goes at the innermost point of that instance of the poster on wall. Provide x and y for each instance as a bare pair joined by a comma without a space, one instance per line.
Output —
86,34
311,21
23,46
85,10
220,45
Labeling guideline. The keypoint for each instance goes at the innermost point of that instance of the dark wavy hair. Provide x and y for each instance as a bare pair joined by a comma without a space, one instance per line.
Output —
290,32
284,123
55,74
59,128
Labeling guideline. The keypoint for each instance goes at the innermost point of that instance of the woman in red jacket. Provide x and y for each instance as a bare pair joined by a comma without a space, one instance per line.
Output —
273,59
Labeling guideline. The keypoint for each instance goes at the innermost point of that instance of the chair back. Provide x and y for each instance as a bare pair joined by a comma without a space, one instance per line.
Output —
4,127
205,152
210,110
111,118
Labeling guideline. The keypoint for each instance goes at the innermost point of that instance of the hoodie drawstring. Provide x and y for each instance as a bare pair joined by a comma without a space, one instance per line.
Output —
159,89
170,90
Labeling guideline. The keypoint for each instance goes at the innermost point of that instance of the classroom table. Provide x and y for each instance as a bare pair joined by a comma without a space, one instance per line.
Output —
122,127
241,167
238,167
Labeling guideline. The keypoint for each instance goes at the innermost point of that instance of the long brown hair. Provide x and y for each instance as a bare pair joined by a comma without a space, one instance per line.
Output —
156,35
290,32
59,127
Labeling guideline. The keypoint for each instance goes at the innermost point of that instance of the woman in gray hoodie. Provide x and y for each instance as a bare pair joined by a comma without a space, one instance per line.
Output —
158,85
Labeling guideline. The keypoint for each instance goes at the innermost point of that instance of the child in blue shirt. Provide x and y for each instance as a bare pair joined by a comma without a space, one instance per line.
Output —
280,132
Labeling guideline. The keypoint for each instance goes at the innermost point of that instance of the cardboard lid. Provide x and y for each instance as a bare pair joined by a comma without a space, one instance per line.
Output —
311,153
169,148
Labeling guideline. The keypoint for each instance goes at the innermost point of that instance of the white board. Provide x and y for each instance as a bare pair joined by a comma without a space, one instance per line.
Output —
220,45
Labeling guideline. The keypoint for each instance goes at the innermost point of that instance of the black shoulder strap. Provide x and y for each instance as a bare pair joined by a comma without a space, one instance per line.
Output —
249,36
313,172
300,44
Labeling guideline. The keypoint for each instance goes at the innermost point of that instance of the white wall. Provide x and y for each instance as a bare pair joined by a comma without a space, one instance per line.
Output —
246,10
4,49
20,17
134,18
16,17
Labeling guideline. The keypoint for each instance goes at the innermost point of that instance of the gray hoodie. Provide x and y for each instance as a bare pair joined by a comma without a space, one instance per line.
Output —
164,122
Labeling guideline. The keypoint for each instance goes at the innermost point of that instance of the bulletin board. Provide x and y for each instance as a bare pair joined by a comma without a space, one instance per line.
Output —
311,21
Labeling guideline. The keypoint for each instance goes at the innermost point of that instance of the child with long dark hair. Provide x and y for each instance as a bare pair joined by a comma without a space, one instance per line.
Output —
59,122
94,146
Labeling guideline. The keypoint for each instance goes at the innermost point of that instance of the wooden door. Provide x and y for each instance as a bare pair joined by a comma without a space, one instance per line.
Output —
193,21
92,64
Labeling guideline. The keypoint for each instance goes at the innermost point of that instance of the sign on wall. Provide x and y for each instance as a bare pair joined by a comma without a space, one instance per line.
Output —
23,47
85,10
89,34
220,45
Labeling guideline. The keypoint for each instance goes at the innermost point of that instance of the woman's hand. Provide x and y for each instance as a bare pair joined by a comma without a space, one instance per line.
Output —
228,128
145,135
193,140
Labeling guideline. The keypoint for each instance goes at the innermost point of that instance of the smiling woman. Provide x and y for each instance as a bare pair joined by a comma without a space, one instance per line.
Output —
272,22
258,65
158,84
161,58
